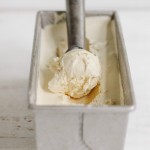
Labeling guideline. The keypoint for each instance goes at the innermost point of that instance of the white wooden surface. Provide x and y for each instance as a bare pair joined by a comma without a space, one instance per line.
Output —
6,5
16,36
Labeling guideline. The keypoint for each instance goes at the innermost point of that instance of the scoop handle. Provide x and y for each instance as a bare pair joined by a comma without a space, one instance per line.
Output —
75,23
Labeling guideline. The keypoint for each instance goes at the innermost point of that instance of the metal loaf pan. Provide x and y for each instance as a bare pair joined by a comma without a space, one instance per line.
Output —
81,127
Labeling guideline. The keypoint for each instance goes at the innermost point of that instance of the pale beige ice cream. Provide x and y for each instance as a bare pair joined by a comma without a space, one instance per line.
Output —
100,37
77,73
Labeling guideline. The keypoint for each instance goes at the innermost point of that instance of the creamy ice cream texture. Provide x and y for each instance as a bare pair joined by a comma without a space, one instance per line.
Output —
77,73
100,41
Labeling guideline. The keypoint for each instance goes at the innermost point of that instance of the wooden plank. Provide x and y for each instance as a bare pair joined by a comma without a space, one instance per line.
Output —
15,55
9,5
16,126
17,144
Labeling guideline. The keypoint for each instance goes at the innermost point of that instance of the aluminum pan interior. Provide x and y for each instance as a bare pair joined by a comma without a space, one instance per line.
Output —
46,17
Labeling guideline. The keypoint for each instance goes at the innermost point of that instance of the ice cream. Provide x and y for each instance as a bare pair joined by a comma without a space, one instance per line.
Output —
100,40
77,73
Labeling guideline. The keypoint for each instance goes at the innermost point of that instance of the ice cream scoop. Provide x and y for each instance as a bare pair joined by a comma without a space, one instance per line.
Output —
78,71
75,24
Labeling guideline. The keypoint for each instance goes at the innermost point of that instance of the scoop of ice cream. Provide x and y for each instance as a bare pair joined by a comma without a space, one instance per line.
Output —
77,73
